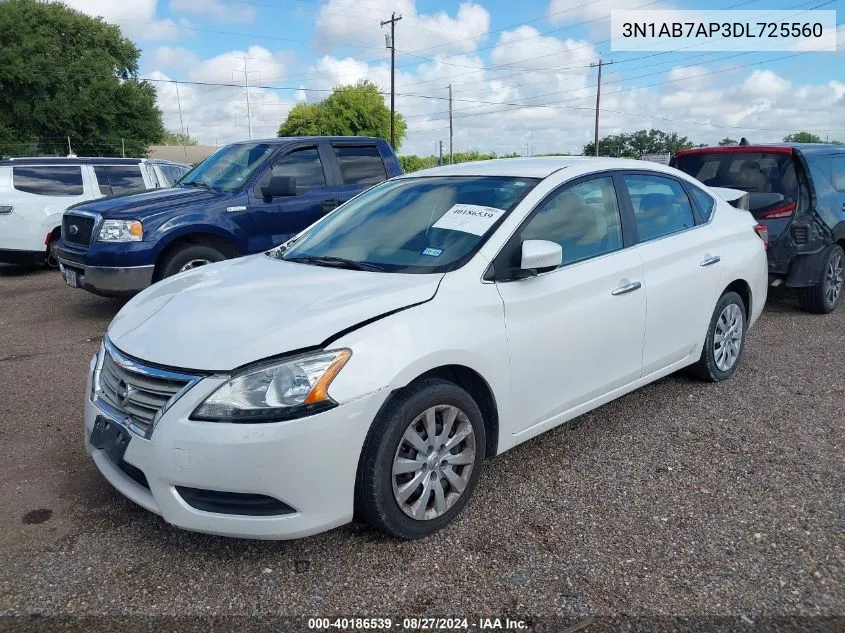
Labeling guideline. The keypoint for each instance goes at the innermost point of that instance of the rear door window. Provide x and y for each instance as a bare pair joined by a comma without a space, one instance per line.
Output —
769,177
49,180
115,180
661,206
360,165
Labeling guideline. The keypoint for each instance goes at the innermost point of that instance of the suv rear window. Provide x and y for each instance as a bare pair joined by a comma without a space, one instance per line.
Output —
768,177
361,165
115,180
59,180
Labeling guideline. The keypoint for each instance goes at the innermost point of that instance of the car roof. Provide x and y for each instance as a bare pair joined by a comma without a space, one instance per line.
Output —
535,167
276,140
68,160
807,149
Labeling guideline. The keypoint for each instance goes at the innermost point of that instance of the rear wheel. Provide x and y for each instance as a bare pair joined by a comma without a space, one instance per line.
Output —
188,257
824,296
725,340
51,258
421,461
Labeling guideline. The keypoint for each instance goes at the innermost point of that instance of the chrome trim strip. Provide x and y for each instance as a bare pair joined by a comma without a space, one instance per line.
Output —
123,361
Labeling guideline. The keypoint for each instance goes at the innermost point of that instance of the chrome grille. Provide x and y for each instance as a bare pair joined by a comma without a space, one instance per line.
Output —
137,391
77,229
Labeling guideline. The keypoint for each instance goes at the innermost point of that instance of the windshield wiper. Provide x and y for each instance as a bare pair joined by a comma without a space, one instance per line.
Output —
339,262
198,183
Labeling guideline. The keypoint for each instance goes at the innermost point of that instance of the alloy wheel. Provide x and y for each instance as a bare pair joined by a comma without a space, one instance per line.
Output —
833,278
433,462
727,339
194,263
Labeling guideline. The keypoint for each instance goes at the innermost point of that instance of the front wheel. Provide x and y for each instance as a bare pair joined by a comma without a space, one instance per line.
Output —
725,340
51,259
421,461
188,257
824,296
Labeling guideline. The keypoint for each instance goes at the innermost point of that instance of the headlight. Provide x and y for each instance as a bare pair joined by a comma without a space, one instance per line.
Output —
289,389
121,231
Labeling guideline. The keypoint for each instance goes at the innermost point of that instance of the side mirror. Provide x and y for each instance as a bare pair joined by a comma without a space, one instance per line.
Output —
279,186
539,255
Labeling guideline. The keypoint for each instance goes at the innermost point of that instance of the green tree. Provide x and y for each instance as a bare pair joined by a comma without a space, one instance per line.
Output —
635,144
65,74
177,138
354,110
802,137
728,141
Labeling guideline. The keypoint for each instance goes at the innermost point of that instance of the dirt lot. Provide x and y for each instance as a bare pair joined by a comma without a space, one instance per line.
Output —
682,498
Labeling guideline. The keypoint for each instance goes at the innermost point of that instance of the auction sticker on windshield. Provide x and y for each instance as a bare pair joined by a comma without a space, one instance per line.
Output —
469,218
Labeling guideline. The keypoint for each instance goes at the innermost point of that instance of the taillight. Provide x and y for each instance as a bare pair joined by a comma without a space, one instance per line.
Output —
779,213
763,233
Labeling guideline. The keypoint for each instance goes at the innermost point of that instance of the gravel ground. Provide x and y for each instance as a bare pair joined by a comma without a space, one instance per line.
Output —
680,499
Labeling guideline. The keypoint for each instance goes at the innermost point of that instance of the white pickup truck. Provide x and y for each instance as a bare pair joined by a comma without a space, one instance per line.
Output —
34,193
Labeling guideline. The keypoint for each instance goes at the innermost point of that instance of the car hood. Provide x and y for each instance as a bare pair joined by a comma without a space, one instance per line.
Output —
225,315
148,202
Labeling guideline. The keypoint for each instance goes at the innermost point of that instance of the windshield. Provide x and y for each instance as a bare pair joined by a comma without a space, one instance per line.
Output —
412,225
228,168
768,177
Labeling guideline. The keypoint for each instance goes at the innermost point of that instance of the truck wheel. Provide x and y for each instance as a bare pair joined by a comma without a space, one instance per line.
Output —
52,259
189,257
824,296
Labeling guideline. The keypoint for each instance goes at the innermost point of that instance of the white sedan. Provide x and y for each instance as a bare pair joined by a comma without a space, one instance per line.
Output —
369,366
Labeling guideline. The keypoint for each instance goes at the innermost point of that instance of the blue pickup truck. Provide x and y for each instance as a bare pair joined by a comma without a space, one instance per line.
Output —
245,198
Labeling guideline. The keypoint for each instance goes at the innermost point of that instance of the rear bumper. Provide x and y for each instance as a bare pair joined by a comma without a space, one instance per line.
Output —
22,258
110,282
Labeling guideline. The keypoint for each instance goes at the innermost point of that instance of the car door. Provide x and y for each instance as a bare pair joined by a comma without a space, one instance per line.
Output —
682,266
574,333
277,219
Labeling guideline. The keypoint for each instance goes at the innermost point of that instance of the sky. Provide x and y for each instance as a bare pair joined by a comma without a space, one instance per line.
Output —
522,72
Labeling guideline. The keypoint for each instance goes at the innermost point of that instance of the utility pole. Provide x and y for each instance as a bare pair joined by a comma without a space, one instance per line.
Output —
440,161
69,148
451,156
391,44
598,101
123,148
181,124
246,85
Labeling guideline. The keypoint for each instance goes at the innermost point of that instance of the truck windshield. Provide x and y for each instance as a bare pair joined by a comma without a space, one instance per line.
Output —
228,168
412,225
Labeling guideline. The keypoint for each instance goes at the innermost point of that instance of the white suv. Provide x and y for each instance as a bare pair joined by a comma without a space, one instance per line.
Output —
34,193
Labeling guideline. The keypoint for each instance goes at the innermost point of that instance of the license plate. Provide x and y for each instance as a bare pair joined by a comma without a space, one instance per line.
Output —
110,437
70,278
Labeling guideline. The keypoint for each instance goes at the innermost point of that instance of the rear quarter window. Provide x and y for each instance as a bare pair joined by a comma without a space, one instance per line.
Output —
703,201
360,165
837,173
59,180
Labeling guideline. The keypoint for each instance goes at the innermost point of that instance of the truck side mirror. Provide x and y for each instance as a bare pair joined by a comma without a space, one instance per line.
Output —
279,186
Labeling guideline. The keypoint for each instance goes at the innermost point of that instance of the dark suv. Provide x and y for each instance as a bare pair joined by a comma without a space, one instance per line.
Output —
798,192
245,198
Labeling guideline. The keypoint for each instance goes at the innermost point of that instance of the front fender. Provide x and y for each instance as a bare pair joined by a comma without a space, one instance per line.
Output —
197,224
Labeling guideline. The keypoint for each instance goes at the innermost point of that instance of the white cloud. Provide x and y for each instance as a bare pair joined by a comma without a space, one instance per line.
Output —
688,77
171,57
216,10
765,84
136,18
337,26
263,65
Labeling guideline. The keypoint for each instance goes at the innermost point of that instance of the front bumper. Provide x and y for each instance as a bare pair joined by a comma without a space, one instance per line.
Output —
309,464
110,281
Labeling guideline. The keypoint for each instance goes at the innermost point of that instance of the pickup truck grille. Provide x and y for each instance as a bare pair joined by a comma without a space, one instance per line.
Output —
77,229
136,391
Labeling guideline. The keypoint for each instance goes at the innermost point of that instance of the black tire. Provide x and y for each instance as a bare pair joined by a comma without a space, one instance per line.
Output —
51,259
375,502
183,255
707,368
820,298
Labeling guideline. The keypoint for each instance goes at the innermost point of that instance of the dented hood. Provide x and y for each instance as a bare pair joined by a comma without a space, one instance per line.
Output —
225,315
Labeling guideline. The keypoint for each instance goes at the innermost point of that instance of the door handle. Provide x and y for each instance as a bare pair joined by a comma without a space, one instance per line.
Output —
329,204
714,259
623,290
